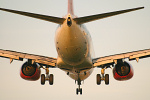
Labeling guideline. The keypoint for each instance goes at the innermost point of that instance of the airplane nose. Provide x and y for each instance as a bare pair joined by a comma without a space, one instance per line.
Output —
69,22
71,43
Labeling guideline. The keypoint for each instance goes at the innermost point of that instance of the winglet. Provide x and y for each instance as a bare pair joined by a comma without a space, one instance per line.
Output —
86,19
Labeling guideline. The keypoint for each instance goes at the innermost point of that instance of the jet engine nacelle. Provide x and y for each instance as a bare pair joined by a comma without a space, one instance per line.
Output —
123,71
30,71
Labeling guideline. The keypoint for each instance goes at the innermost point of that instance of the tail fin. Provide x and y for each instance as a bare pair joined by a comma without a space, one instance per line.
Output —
70,7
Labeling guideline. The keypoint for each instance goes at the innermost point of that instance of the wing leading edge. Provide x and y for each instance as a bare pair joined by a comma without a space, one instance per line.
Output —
110,60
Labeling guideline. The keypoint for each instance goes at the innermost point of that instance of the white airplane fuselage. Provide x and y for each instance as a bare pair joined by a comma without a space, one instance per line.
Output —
74,47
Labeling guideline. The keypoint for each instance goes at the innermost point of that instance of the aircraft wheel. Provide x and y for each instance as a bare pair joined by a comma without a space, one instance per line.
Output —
81,91
77,90
98,79
107,79
51,79
42,79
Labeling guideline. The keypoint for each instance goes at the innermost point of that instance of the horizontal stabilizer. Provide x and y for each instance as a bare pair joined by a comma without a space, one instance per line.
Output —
86,19
38,16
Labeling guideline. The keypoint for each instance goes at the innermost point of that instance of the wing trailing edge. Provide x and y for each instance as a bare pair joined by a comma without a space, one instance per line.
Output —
86,19
38,16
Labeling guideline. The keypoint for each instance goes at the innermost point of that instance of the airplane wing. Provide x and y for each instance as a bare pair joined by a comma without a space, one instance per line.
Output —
110,60
38,16
90,18
13,55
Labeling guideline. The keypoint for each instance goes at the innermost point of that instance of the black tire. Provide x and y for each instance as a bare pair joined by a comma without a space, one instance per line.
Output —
98,79
42,79
81,91
51,79
77,90
107,79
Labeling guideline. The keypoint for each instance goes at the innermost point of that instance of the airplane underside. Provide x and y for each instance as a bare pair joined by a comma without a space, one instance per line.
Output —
75,51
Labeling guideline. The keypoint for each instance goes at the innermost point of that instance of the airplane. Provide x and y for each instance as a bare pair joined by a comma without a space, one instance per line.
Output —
75,51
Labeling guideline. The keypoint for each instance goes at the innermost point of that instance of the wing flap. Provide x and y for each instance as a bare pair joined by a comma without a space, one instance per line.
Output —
9,56
35,58
86,19
103,62
140,55
135,55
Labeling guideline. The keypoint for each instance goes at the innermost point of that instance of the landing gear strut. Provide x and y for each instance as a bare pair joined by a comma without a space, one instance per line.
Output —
47,77
79,89
104,77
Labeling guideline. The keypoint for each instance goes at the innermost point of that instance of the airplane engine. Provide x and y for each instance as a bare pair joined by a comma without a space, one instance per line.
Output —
123,71
30,71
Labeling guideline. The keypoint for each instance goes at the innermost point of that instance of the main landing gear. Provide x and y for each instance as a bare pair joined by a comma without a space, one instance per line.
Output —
79,89
104,77
47,77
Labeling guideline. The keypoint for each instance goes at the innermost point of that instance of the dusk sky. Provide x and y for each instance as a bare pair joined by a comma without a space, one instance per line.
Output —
118,34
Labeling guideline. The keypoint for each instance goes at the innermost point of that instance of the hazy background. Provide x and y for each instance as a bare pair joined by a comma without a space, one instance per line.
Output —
118,34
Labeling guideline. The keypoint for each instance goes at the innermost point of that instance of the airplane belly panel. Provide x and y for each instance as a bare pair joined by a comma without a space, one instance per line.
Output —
81,71
82,75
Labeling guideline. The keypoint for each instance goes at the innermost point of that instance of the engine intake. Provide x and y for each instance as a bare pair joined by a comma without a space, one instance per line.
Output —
123,71
30,71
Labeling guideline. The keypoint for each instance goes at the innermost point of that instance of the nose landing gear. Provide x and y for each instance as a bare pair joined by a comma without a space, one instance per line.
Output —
79,89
